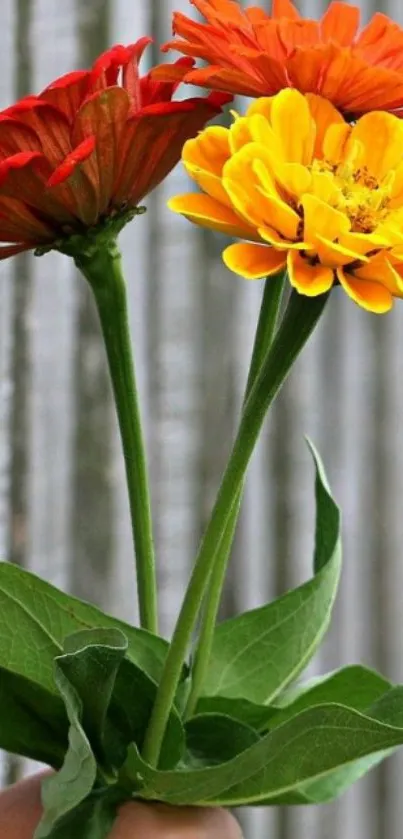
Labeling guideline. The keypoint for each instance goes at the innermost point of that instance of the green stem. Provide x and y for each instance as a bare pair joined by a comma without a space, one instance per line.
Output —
102,267
266,327
299,320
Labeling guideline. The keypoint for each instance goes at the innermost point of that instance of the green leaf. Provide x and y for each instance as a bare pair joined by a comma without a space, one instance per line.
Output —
256,655
306,748
256,716
90,663
36,617
33,722
355,686
68,788
130,710
92,819
212,739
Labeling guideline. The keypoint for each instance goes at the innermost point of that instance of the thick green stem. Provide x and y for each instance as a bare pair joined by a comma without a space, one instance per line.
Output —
266,327
300,319
101,265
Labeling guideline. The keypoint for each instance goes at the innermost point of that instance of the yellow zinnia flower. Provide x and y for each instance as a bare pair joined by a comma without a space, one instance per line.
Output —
306,191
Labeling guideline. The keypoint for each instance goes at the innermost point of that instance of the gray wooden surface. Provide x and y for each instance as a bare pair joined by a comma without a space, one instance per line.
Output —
63,509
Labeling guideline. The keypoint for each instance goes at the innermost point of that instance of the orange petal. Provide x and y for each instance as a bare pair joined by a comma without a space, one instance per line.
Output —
371,296
284,8
324,115
308,279
340,23
206,212
253,261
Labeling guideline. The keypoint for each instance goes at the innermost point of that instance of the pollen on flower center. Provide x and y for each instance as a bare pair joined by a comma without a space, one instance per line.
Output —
358,194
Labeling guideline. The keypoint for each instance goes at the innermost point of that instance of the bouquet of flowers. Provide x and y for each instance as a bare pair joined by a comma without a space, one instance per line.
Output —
308,180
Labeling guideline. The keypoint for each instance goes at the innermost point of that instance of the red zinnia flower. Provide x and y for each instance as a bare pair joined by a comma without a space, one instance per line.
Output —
252,53
88,148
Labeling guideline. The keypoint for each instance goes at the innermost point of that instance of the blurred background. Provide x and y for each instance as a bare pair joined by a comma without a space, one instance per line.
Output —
63,506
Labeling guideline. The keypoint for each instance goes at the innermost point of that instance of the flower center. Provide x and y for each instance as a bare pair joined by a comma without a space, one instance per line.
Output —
358,194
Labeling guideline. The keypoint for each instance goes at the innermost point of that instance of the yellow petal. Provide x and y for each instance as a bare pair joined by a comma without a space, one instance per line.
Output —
262,106
320,218
211,184
292,122
206,212
273,238
294,178
240,134
396,192
362,243
381,135
380,269
335,142
333,254
371,296
209,150
308,279
324,186
324,115
253,261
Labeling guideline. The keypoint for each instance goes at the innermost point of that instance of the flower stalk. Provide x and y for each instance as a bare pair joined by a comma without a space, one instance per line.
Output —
301,317
266,328
101,264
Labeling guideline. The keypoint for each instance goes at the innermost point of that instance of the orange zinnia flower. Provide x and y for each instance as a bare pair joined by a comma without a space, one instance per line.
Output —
252,53
307,192
89,148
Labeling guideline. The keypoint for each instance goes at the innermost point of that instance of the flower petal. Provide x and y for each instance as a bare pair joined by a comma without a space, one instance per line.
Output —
320,218
292,123
207,212
306,278
381,135
371,296
253,262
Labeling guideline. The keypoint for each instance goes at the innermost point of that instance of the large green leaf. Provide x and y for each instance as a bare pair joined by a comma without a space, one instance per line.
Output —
92,819
212,739
36,617
91,662
33,722
355,686
130,710
256,655
306,748
63,792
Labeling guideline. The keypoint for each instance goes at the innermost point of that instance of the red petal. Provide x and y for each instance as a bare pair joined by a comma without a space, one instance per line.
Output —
23,176
68,92
18,222
153,90
103,116
15,137
12,250
152,146
50,126
105,70
78,155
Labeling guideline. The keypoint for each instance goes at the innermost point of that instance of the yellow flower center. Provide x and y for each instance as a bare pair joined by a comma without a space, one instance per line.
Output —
358,194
